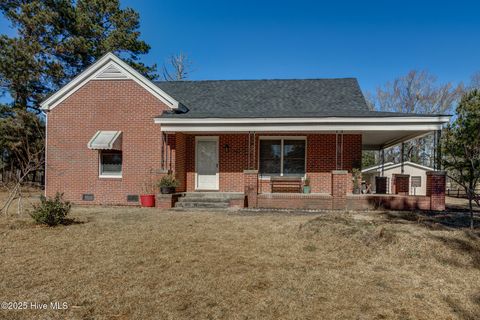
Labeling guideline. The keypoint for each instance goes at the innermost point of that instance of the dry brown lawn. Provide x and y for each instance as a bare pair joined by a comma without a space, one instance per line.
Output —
133,263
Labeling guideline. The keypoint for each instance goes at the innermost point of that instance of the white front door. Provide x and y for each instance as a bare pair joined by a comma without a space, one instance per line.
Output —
206,154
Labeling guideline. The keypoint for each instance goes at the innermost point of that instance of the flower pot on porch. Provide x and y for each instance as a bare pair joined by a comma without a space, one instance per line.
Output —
147,200
167,190
306,189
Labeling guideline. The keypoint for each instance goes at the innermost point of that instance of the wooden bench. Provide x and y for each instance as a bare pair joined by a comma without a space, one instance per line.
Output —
286,184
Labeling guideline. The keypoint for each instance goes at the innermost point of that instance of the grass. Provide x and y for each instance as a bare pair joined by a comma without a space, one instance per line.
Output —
133,263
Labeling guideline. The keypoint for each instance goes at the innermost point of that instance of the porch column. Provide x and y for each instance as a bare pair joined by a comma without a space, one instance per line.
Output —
436,189
250,178
437,150
180,161
400,184
339,189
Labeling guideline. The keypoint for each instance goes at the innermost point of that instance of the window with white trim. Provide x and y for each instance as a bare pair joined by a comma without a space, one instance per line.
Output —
282,156
111,164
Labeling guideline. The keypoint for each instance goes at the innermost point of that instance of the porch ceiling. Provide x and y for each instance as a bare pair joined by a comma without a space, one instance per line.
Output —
377,132
376,140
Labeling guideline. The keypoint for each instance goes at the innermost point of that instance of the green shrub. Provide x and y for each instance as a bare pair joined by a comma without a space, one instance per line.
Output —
168,181
51,211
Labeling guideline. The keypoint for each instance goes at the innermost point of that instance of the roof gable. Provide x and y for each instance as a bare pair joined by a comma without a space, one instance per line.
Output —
391,165
109,67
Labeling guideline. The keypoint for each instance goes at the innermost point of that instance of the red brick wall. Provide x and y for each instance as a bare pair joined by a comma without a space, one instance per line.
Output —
320,160
103,105
232,162
251,187
125,106
295,201
180,158
436,190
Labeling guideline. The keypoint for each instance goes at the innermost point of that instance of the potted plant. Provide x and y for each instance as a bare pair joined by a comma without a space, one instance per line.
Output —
167,184
306,185
147,198
357,181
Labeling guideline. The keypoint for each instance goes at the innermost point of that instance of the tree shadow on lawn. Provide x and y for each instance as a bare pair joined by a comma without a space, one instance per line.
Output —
469,246
25,223
450,219
459,309
72,221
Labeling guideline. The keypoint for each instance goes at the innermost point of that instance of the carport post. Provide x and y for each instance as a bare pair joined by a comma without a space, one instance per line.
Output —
402,155
382,155
437,155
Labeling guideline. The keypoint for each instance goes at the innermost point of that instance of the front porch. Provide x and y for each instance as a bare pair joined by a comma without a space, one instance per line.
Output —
245,164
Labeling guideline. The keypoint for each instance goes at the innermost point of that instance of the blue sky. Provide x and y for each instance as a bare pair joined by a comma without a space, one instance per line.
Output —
374,41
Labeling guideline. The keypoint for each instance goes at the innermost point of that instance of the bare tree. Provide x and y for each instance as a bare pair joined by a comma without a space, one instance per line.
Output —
475,81
416,92
23,138
178,67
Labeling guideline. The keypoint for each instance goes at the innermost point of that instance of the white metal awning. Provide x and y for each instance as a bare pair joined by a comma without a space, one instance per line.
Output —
106,140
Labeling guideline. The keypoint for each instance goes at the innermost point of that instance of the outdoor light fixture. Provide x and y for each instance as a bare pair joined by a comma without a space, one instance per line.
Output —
226,147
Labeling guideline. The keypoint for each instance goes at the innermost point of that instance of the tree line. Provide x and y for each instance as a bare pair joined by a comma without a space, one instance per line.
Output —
52,42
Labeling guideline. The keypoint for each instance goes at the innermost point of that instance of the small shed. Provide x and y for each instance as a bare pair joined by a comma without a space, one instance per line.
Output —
417,173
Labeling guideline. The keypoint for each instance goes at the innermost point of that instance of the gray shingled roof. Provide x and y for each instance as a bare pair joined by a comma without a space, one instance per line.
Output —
269,98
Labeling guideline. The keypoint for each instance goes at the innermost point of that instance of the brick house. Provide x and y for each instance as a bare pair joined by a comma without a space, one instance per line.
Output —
111,131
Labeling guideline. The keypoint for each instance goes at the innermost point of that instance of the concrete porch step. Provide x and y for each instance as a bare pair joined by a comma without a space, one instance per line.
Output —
201,204
202,199
207,200
213,195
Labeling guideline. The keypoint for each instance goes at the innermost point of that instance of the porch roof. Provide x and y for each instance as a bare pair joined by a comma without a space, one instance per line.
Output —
377,132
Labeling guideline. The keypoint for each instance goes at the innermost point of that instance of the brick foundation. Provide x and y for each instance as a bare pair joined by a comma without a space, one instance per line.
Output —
436,189
295,201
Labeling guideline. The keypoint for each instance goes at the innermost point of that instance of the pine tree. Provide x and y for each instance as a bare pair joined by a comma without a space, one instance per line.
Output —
54,40
461,147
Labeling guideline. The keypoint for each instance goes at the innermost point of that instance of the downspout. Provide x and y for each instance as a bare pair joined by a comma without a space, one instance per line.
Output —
45,165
